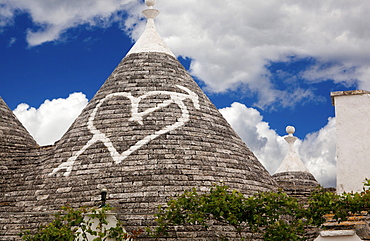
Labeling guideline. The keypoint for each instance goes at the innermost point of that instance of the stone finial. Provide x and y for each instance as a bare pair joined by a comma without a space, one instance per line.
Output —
150,13
291,162
290,130
150,41
150,3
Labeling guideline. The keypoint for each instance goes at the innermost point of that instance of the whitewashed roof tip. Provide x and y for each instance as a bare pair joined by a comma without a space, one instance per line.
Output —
150,40
292,161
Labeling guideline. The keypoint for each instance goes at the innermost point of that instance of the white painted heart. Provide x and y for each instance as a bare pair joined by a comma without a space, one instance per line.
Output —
175,97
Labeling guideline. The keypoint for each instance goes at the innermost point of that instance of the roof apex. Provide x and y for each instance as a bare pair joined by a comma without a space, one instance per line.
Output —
150,40
13,134
291,162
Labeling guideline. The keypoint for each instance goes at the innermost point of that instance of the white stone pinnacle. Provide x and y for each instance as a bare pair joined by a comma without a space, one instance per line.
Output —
150,40
291,162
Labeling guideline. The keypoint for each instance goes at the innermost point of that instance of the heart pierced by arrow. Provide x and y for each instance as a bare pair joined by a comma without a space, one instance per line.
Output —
136,116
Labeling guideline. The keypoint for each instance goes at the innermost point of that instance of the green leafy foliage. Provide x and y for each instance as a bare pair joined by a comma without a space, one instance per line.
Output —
70,224
274,215
277,216
322,203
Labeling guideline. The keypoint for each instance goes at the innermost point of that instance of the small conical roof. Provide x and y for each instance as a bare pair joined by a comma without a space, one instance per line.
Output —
292,175
13,135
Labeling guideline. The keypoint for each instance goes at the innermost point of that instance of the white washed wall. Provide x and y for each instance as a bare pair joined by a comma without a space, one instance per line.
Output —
352,110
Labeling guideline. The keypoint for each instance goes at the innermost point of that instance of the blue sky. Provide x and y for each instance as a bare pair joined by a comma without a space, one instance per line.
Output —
271,64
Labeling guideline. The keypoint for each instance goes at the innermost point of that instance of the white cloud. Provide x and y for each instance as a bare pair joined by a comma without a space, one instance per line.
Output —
11,42
52,119
232,43
6,14
55,17
317,150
